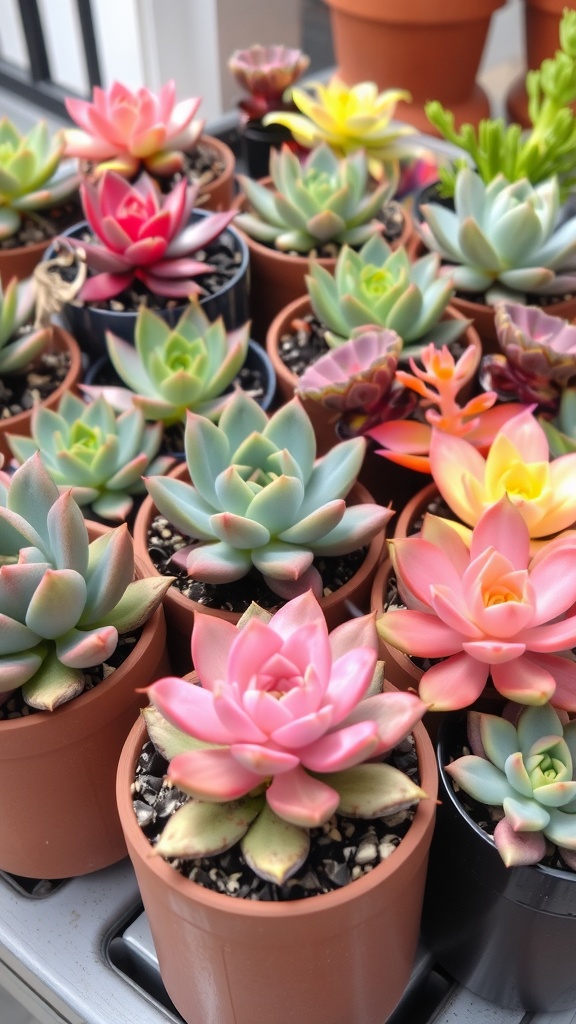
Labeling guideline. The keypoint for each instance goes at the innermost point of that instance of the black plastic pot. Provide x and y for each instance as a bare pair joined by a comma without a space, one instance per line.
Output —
430,194
89,324
508,934
258,141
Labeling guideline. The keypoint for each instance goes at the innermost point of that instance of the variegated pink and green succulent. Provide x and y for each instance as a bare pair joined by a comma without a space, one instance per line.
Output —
63,600
266,73
29,174
125,131
99,456
20,343
259,498
288,726
488,610
172,370
528,769
144,236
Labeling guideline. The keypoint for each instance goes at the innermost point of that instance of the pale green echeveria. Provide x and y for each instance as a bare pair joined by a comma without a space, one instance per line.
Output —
502,238
63,600
323,199
528,770
561,431
18,346
170,370
379,287
28,165
99,455
260,498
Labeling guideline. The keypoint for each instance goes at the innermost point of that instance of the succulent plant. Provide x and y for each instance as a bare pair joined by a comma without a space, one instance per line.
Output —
170,370
438,383
99,456
383,288
490,609
547,150
528,770
561,431
538,357
145,236
357,381
124,130
260,498
502,239
322,200
63,600
28,174
278,735
18,346
348,119
266,72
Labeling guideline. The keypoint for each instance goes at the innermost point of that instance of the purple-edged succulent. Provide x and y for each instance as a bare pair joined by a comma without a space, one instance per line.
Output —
266,72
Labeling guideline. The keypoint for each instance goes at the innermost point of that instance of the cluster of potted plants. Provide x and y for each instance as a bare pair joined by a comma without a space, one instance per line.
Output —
278,795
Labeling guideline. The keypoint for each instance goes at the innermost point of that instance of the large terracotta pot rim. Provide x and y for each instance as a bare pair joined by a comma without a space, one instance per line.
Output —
420,12
180,886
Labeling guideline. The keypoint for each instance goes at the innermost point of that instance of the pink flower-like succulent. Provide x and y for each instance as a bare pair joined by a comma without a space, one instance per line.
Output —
145,235
518,464
490,610
122,130
285,702
266,72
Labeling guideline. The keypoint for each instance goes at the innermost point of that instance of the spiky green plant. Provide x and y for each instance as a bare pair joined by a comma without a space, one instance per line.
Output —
28,165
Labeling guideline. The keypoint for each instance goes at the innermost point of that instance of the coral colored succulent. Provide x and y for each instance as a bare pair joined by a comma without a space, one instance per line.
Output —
538,356
266,72
278,735
438,383
491,610
99,456
324,199
145,236
18,346
260,498
528,769
503,240
28,174
170,370
348,118
517,464
380,287
63,600
357,381
125,131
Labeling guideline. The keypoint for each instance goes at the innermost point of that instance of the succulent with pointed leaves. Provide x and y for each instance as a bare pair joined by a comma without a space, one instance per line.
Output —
125,131
99,456
18,346
277,737
266,72
170,370
28,174
63,601
260,498
322,200
381,288
528,769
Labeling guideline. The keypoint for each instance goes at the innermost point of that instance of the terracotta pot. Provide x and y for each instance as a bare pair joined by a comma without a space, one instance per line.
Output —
218,194
57,769
432,48
541,21
61,341
20,262
277,278
180,609
340,956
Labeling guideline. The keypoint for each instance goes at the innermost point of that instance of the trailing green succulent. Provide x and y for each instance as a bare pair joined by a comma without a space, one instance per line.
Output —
170,370
260,498
18,346
379,287
502,238
321,200
28,164
63,600
528,770
548,149
97,454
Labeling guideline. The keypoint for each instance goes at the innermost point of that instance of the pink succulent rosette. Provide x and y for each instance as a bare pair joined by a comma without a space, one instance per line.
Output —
491,609
285,702
120,130
518,464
